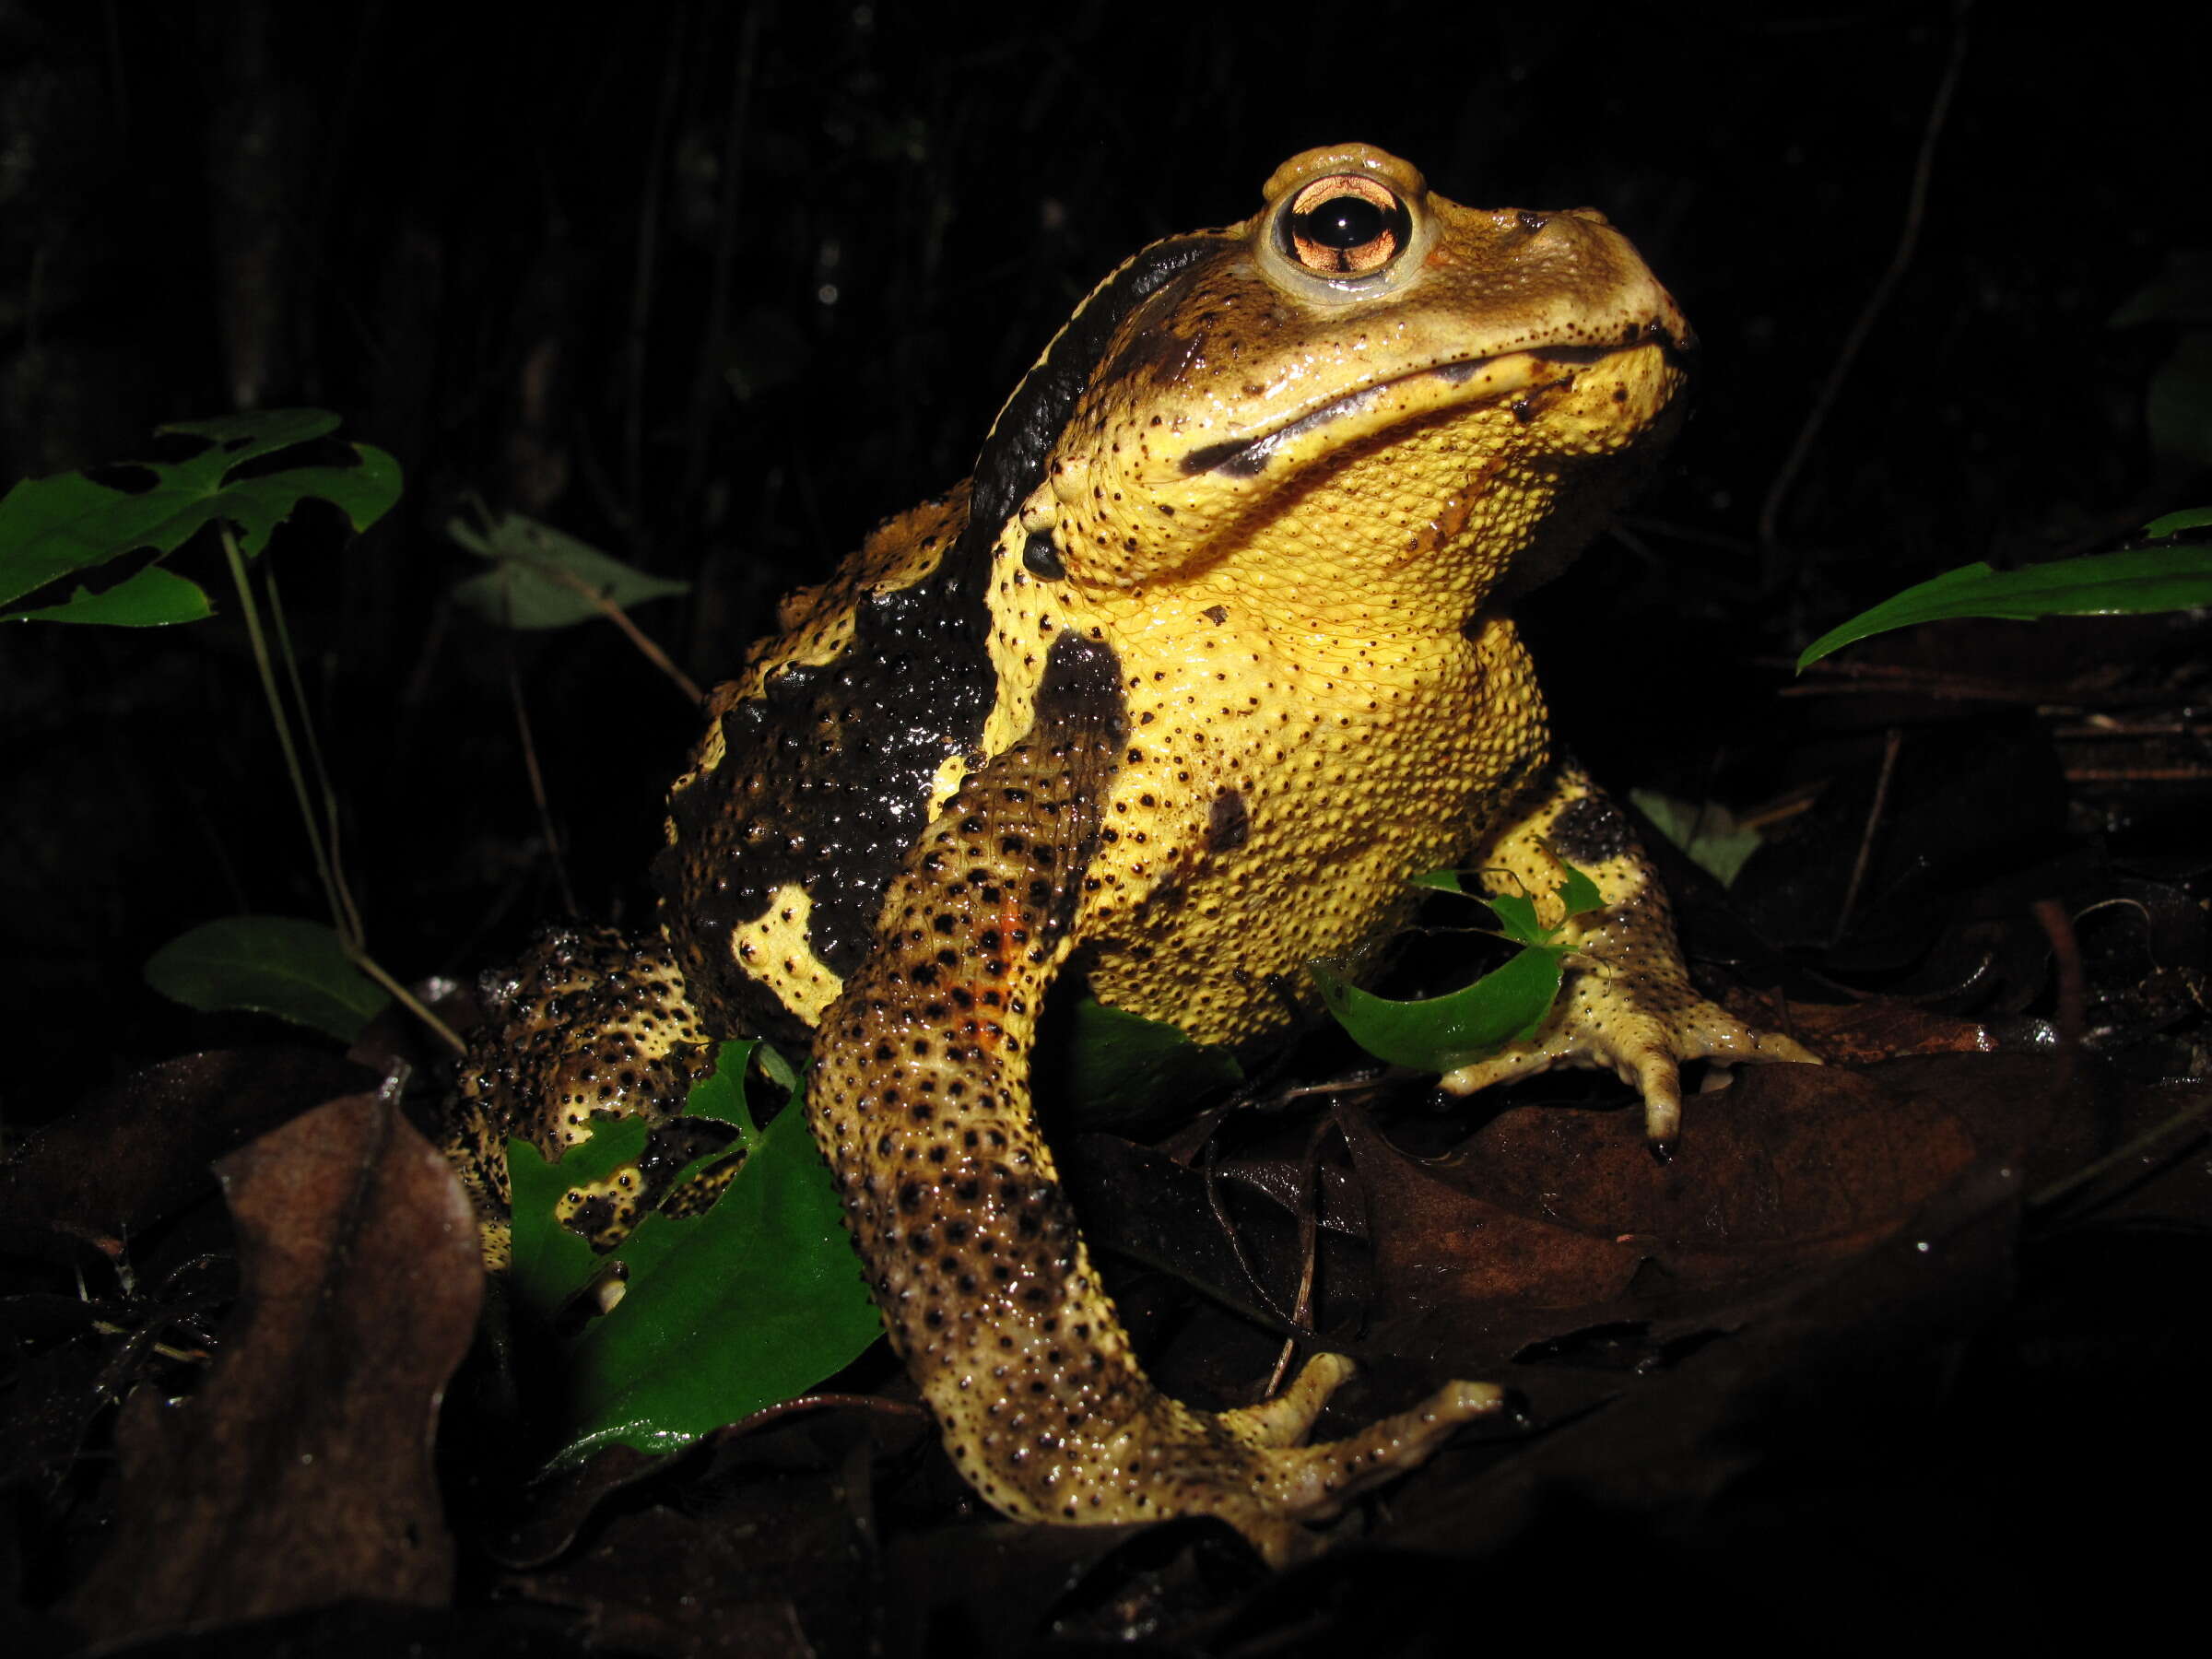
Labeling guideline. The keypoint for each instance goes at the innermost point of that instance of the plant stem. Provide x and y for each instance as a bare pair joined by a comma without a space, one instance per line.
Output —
407,1000
350,928
251,613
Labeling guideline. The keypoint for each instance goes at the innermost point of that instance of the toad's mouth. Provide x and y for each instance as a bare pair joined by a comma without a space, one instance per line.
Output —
1402,397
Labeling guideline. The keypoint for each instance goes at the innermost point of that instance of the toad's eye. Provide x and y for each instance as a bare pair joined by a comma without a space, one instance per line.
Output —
1346,226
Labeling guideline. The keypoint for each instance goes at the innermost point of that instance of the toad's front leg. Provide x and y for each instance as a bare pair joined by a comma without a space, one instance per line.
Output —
1630,1006
920,1101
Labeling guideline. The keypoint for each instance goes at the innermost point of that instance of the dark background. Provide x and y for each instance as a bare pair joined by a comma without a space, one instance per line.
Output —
717,287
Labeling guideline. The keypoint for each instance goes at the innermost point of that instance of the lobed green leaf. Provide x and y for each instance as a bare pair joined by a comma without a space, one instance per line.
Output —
761,1299
551,1262
52,527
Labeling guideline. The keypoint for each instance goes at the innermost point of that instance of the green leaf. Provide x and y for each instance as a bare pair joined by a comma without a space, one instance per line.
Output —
2177,406
1706,831
552,1262
527,589
1516,912
149,598
780,1072
721,1096
2181,292
1117,1065
2188,518
297,970
52,527
1445,881
1441,1032
1577,892
762,1300
2142,580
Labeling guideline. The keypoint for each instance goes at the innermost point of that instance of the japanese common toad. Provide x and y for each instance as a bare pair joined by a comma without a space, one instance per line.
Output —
1209,656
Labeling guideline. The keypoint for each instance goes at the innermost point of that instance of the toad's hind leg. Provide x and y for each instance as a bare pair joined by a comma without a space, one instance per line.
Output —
920,1101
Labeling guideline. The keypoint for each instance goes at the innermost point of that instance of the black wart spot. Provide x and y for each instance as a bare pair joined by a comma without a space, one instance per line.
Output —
1590,830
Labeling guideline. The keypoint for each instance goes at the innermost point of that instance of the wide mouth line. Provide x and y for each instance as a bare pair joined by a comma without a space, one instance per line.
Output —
1248,457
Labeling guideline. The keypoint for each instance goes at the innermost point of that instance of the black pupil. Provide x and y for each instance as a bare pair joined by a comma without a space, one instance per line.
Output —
1345,221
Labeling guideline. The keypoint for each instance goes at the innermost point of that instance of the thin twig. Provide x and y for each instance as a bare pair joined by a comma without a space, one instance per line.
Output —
537,782
2166,1129
407,1000
1908,241
711,358
1308,1252
259,640
874,1404
1215,1203
1874,818
350,928
2066,955
620,618
640,291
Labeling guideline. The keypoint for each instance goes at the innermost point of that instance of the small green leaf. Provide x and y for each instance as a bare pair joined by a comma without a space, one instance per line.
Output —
1706,832
1441,1032
149,598
2181,292
1445,881
297,970
526,588
721,1096
1517,918
1577,892
780,1072
52,527
2142,580
1117,1065
2188,518
762,1300
553,1262
2177,406
1516,912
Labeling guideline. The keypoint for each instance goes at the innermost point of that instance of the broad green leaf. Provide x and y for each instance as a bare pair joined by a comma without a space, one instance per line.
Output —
2144,578
1706,831
149,598
52,527
763,1301
526,588
297,970
552,1262
1441,1032
1116,1065
2188,518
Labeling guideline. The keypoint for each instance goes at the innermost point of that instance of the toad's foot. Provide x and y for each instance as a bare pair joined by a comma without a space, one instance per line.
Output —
1247,1467
1642,1026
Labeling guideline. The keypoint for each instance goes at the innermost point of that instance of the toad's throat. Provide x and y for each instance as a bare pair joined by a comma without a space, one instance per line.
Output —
1470,380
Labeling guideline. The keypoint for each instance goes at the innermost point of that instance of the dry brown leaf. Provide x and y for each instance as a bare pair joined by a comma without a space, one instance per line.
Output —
299,1475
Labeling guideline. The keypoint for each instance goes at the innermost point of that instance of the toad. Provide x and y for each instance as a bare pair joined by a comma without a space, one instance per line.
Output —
1213,653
